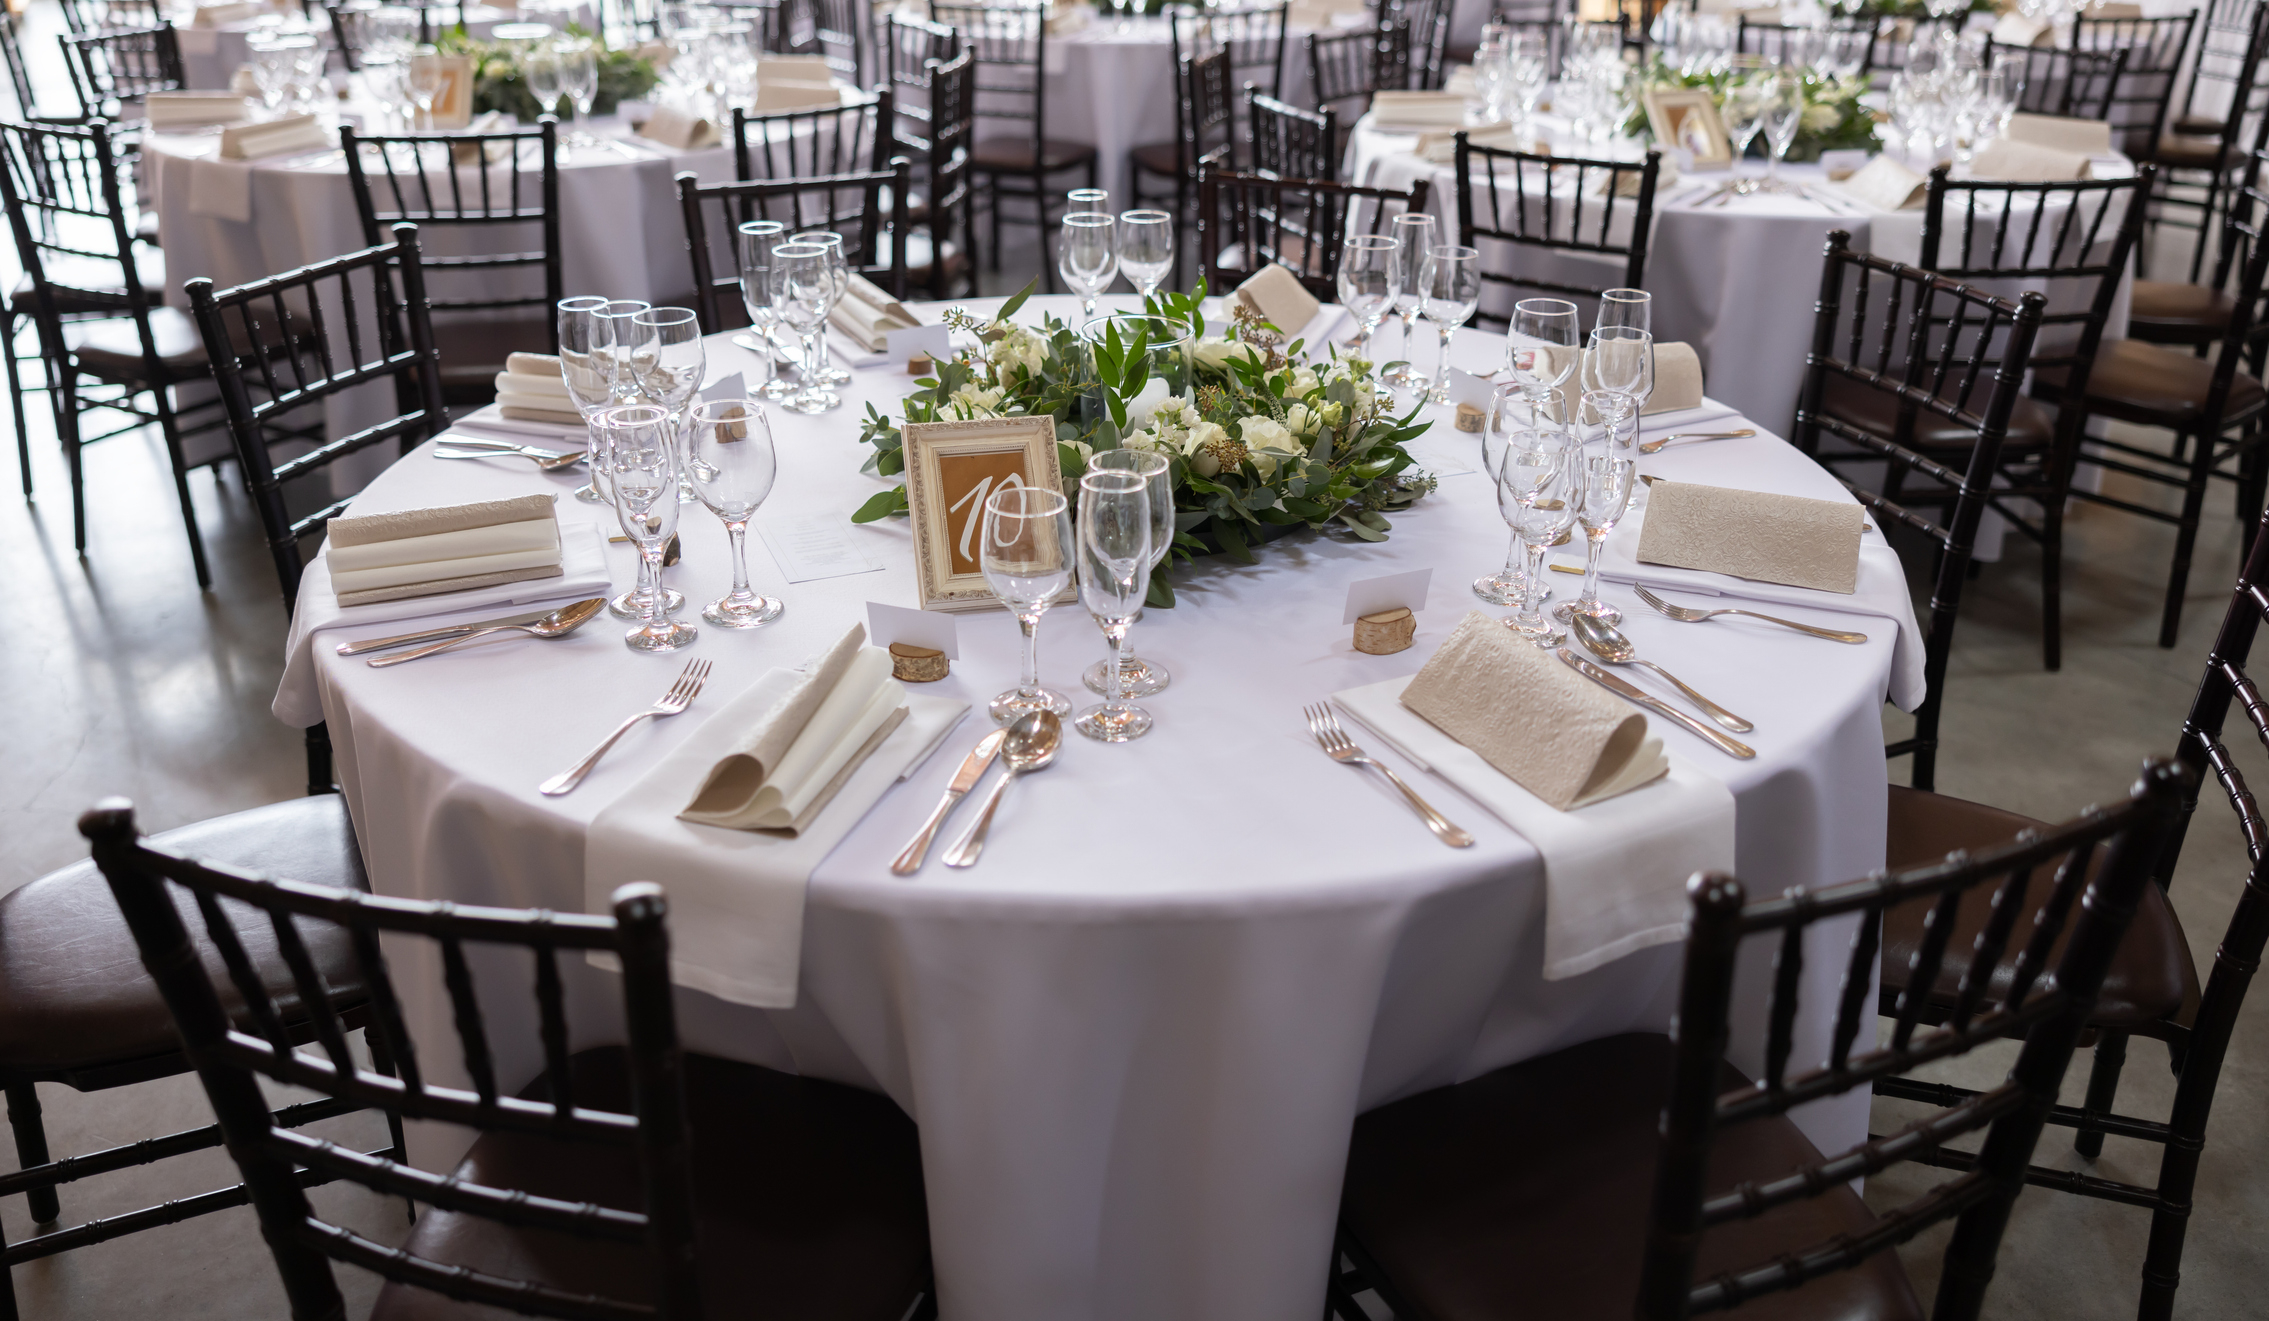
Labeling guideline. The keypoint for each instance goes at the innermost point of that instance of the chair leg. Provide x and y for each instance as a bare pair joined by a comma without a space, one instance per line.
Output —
16,401
2186,535
996,210
31,1148
2052,583
74,458
172,429
2103,1089
320,777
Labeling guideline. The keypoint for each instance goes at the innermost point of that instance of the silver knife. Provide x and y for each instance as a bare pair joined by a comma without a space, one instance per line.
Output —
1639,697
972,770
433,634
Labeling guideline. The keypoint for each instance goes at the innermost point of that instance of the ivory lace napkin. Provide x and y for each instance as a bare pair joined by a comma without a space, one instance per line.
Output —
2027,162
425,552
168,110
737,896
1280,298
1788,539
531,389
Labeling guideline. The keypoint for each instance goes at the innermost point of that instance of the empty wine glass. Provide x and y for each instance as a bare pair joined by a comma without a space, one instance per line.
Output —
579,78
1509,585
1603,493
803,291
1088,255
1088,199
1146,249
585,345
1784,113
1450,283
1618,374
1536,492
1369,282
1026,556
1633,308
642,457
424,82
729,455
820,369
1138,677
1540,351
1745,99
1415,231
669,360
757,240
1114,575
539,69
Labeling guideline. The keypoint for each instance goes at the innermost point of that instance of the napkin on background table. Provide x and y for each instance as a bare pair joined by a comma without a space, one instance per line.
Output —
737,895
220,189
1417,110
530,389
169,110
1277,294
426,552
2088,137
291,135
1887,185
868,314
213,16
1787,539
1677,383
2027,162
676,129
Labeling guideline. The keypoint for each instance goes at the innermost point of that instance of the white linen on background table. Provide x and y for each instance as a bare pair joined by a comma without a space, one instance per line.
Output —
1136,1035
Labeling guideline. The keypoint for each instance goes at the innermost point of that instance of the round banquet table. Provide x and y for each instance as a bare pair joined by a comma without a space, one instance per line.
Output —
1134,1036
210,56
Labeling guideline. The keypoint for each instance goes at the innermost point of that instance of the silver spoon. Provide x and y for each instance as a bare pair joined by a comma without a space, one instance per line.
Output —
1603,640
558,624
1032,744
548,460
1655,446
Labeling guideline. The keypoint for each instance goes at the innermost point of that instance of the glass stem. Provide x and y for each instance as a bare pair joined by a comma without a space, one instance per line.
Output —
1029,685
657,620
1598,542
764,369
738,533
1114,687
649,576
1512,571
1532,596
1441,388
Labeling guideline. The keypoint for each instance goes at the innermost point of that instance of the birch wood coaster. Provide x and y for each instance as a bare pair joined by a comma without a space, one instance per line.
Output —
922,664
1386,632
1469,418
919,365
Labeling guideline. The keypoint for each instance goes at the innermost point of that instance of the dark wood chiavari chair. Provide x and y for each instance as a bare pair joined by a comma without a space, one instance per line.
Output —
1944,357
1429,24
1557,208
84,16
2075,84
1642,1175
1345,68
868,208
1529,11
2197,314
588,1190
1253,34
786,144
909,47
497,196
112,69
1246,221
1895,37
2155,48
1289,142
950,209
1205,121
2201,152
844,31
20,92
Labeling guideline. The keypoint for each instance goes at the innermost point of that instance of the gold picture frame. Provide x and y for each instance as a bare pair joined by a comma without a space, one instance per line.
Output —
951,467
1687,118
453,105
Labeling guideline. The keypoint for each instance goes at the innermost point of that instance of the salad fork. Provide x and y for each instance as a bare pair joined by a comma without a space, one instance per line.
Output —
680,696
1689,615
1323,725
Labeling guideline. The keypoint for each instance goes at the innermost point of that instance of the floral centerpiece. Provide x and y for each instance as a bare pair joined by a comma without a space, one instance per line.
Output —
1260,442
1834,120
499,84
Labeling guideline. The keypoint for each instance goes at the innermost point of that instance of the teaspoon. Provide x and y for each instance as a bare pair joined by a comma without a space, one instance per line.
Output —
1605,641
1032,744
558,624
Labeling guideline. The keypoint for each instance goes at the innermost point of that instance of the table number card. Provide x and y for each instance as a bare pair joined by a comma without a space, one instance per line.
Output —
951,469
1785,539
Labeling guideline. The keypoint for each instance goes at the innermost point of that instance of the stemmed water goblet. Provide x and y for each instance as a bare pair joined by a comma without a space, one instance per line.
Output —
1540,350
1114,575
579,79
820,369
1138,677
669,361
539,69
1146,249
1783,96
757,239
642,457
586,347
1088,256
1618,375
1604,482
1744,116
1450,283
1507,402
1026,554
424,81
803,290
1369,282
1537,494
729,456
1415,231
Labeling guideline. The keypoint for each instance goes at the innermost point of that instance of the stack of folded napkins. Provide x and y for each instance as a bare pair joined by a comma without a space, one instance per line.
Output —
868,314
1280,298
288,136
795,82
1417,110
1788,539
213,16
530,389
167,110
678,129
424,552
1677,383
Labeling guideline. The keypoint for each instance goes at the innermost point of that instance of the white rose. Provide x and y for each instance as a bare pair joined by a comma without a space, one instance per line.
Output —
1303,420
1154,396
1304,380
1820,118
973,401
1215,352
1194,447
1267,440
1018,348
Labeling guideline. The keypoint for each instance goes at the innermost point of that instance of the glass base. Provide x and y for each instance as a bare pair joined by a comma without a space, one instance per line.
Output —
1012,706
669,638
589,493
812,401
1106,722
756,612
1137,677
1567,611
629,606
1502,589
1544,633
833,376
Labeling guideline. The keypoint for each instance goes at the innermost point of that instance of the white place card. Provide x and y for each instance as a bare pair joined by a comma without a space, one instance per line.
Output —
813,547
932,342
728,386
887,624
1369,596
1467,388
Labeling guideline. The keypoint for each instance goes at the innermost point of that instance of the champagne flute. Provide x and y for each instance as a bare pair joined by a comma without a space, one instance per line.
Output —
1509,585
1138,677
1415,231
803,290
585,345
1536,492
1026,557
1369,282
1088,255
1146,249
642,453
758,238
1540,350
838,265
1603,493
1114,575
729,455
1449,283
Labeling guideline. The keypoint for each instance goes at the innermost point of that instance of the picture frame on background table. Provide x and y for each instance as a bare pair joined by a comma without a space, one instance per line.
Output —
1687,118
453,105
951,467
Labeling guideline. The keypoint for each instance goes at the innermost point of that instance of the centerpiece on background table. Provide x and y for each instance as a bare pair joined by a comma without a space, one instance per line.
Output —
1834,120
1261,441
499,82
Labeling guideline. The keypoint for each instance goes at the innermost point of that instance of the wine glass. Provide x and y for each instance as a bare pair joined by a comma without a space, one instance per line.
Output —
642,456
729,455
1146,249
669,361
1138,677
1744,116
1026,556
1603,493
540,70
424,82
839,265
1536,492
1088,255
1783,114
1114,575
1508,585
1618,373
1415,231
1626,307
758,238
1369,282
585,347
1540,350
1450,284
803,291
1088,199
579,79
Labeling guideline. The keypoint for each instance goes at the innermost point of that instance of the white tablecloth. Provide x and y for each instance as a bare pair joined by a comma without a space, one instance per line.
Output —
1136,1035
211,56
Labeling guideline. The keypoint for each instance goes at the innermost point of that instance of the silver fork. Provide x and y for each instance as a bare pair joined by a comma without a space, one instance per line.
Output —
678,698
1689,615
1323,724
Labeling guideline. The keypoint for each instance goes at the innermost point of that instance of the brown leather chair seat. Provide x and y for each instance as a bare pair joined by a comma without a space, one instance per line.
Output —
808,1196
2152,978
2138,382
89,273
112,348
1158,157
1016,156
2031,425
1526,1192
2196,126
2182,152
2167,312
73,993
474,345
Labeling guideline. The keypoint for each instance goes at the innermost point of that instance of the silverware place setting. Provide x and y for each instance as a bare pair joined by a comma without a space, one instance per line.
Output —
1607,642
1031,744
1324,727
682,691
973,768
360,646
1645,700
548,460
552,624
1655,446
1690,615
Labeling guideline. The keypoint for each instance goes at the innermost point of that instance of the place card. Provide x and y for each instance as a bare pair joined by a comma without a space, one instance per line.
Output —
1467,388
677,130
730,386
812,547
1369,596
1785,539
888,624
932,342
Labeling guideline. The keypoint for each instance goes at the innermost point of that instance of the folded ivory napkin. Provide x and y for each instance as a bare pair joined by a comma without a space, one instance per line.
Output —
1277,294
1615,864
220,189
676,129
1788,539
424,552
193,109
2027,162
530,389
1887,185
2089,137
213,16
811,749
1677,384
2016,29
1440,146
868,314
291,135
1417,110
774,96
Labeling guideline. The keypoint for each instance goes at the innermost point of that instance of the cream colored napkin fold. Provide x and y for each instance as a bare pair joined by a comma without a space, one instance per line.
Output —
1279,297
795,758
193,109
536,387
1391,109
773,97
1677,384
1887,185
531,389
1441,146
213,16
1787,539
2088,137
810,69
676,129
1529,716
2026,162
358,585
275,137
368,528
495,539
2015,29
868,314
373,582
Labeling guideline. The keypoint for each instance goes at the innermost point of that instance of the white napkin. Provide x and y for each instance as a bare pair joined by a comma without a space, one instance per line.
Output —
737,896
1614,871
213,16
288,136
2027,162
299,702
221,189
679,130
1887,185
867,313
2088,137
1393,110
193,109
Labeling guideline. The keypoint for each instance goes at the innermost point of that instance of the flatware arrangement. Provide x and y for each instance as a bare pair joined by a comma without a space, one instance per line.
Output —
357,648
682,691
1605,641
1655,446
548,460
1031,744
1690,615
1324,727
973,768
553,624
1640,698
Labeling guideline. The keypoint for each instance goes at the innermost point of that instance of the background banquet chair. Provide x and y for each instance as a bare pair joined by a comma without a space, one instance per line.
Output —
112,70
946,215
23,99
2203,147
2153,989
1253,34
1645,1176
1011,42
1944,359
1429,24
867,208
84,16
2074,84
1246,221
1205,128
2197,313
788,144
1289,142
2147,82
350,35
1559,246
497,277
633,1180
909,44
845,33
1345,68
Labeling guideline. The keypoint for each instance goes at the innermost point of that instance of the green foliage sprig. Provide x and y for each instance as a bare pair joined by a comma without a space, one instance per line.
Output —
498,83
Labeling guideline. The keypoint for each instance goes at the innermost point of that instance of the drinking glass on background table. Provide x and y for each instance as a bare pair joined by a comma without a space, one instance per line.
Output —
1026,556
642,458
1369,282
1415,232
1603,494
1744,116
803,291
1540,351
1088,199
1509,585
757,240
586,347
423,82
1146,249
1114,575
1632,308
539,69
820,369
1450,283
1784,114
1537,493
729,455
1138,677
1088,256
579,78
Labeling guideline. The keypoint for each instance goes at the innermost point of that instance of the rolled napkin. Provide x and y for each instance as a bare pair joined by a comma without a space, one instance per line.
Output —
868,315
290,135
167,110
1417,110
676,129
2027,162
1887,185
531,389
2088,137
425,552
1280,298
1786,539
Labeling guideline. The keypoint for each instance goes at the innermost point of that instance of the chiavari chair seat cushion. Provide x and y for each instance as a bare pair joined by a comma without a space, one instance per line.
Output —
1158,157
2172,312
2146,383
88,273
807,1196
111,349
1525,1192
2195,126
473,347
73,992
1875,412
2152,978
2181,152
1017,156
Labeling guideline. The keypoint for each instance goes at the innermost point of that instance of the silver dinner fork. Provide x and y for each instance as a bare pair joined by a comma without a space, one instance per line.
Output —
678,698
1323,724
1689,615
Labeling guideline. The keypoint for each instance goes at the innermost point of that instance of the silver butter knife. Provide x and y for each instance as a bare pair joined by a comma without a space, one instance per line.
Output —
434,634
1640,697
973,769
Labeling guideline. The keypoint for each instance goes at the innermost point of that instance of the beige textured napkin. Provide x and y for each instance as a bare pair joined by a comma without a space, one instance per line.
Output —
392,582
368,528
531,389
867,313
2015,29
2027,162
275,137
2089,137
1677,384
1279,297
495,539
772,97
213,16
1392,109
1887,185
1441,146
676,129
193,109
1529,716
1785,539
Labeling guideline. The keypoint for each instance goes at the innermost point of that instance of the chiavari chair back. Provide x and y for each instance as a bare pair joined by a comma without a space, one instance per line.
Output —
787,144
1429,22
2073,84
1253,34
1575,227
25,100
868,208
112,69
952,201
2223,108
1289,142
82,17
2155,49
1246,221
910,48
844,31
1345,68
